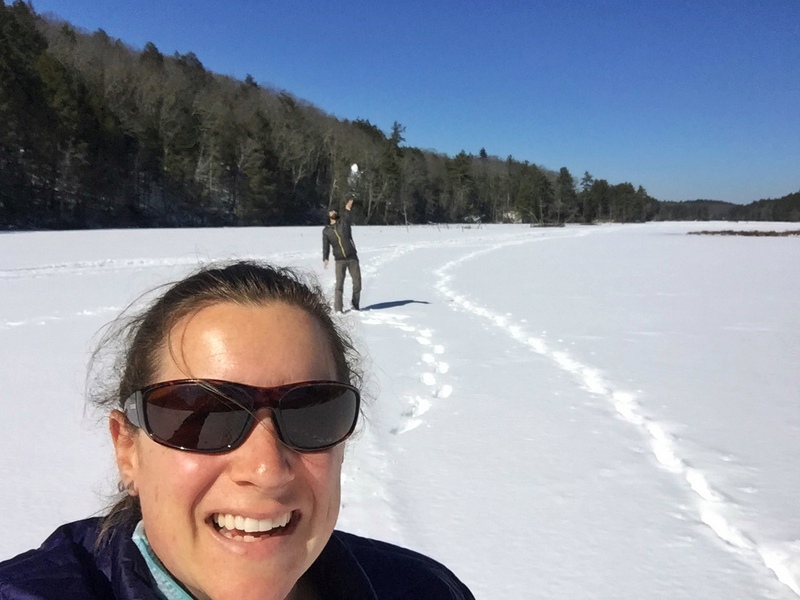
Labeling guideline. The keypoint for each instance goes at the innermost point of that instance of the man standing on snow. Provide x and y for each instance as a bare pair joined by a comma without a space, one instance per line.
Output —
338,235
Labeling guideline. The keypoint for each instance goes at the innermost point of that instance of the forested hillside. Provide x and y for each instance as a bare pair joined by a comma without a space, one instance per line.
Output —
97,134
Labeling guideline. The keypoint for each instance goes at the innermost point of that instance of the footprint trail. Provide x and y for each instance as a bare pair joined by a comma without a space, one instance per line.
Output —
432,362
712,506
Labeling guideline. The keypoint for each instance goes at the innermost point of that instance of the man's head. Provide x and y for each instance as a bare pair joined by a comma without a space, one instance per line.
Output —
333,215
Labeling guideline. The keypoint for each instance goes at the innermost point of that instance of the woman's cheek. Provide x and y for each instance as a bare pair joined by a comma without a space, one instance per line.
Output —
176,474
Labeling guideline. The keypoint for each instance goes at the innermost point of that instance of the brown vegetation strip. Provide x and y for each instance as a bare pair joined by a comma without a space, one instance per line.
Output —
749,233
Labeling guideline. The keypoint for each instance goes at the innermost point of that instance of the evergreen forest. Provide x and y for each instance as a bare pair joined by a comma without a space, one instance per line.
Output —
94,133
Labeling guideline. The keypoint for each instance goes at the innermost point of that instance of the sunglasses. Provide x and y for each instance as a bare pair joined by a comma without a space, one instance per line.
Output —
212,416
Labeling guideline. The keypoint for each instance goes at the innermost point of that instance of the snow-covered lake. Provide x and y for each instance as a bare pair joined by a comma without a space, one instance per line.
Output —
587,412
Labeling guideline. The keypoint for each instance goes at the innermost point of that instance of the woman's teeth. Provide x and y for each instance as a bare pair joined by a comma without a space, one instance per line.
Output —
236,526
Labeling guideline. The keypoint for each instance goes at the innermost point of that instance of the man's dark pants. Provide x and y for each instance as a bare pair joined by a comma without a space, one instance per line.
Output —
351,265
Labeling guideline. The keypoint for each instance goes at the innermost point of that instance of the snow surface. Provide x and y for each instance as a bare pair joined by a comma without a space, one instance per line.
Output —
583,412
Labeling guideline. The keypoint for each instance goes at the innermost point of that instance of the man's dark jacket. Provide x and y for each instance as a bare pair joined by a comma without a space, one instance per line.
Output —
339,237
68,565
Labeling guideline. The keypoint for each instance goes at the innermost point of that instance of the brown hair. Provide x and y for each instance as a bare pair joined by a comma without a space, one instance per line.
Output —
134,342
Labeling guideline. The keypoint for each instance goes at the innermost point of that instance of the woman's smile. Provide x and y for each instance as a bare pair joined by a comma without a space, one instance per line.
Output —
247,529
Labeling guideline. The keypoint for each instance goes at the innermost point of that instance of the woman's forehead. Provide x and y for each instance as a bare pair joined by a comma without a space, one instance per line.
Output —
259,345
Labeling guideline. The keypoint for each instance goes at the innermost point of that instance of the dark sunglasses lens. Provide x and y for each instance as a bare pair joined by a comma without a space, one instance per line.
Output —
317,416
193,417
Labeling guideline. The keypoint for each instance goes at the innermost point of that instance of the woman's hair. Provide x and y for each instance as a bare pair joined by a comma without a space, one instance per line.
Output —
135,342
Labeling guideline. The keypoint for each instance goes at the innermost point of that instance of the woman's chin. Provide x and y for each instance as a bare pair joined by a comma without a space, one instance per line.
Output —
240,566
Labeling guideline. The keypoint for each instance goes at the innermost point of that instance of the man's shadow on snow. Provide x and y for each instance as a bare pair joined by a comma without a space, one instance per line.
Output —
395,304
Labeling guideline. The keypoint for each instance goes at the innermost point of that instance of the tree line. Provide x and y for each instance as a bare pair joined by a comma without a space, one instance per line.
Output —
98,134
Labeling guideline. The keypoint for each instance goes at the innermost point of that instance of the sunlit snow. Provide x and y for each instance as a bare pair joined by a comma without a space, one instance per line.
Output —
581,412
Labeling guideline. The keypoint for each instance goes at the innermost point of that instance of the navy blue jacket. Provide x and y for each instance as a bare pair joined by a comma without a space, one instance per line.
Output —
67,565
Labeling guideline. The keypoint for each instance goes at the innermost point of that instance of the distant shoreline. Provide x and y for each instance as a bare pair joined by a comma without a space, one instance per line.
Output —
748,233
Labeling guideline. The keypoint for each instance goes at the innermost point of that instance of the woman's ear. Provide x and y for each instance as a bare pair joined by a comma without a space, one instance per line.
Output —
123,437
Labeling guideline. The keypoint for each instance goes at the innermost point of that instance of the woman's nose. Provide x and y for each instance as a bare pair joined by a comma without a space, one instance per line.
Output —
262,460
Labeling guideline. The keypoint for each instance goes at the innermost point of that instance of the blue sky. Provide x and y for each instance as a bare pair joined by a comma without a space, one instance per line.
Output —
690,99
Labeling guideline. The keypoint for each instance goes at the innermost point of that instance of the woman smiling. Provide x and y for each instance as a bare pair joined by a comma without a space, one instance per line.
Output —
236,394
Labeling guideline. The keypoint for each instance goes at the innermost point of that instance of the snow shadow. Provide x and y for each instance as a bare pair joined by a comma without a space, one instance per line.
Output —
394,304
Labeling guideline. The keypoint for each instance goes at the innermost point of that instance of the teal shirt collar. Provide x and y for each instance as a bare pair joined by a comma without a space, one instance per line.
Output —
169,588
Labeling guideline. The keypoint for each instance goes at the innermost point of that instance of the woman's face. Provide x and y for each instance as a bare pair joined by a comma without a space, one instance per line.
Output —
183,494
